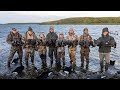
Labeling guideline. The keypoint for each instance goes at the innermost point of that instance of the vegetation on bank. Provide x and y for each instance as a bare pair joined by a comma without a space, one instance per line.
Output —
85,20
81,20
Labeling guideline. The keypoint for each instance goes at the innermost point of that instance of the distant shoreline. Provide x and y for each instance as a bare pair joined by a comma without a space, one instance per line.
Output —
79,21
65,24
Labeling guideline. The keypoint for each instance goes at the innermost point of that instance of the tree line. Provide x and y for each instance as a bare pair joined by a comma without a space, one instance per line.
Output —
86,20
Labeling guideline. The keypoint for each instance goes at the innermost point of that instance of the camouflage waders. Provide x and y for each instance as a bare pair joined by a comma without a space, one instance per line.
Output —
42,53
84,55
29,52
72,55
15,40
60,55
85,42
13,50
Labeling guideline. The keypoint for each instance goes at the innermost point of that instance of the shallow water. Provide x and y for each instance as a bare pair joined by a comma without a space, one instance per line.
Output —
94,31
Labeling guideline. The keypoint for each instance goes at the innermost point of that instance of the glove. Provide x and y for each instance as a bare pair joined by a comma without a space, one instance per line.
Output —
76,42
81,43
92,44
12,42
33,42
50,42
115,45
53,40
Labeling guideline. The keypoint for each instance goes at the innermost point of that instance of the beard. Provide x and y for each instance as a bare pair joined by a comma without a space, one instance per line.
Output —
85,34
71,34
30,34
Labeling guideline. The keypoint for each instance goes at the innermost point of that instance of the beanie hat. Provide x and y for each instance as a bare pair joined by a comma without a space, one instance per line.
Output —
105,29
29,29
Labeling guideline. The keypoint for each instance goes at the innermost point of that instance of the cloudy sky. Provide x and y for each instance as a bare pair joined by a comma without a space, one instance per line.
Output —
43,16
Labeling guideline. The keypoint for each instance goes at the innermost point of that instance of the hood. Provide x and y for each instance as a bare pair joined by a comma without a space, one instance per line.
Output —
105,30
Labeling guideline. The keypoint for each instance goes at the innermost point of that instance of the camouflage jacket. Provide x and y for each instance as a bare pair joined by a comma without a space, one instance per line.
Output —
14,40
26,40
85,41
73,39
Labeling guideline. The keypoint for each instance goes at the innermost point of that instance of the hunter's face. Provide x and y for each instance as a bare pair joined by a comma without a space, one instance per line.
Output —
61,36
86,31
51,30
30,32
71,31
105,33
41,36
14,31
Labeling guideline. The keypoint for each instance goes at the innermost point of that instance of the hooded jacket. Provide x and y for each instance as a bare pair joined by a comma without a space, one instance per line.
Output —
105,43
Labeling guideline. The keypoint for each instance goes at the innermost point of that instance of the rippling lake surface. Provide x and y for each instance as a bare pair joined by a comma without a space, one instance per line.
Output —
94,30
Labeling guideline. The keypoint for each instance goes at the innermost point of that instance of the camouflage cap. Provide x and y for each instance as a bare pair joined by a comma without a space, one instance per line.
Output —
14,29
29,29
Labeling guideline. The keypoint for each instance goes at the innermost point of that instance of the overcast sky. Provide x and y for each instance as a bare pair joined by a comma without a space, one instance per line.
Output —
42,16
73,13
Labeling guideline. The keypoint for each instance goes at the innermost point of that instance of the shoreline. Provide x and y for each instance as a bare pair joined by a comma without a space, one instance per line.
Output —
64,24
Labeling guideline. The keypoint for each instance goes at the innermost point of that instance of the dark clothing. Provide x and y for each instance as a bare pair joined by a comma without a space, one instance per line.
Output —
51,51
29,45
16,46
105,44
51,39
51,43
51,36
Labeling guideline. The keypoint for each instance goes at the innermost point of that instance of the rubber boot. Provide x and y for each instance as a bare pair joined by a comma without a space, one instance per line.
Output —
51,63
87,67
20,62
87,64
63,63
74,67
8,64
101,68
82,64
44,65
70,63
26,63
32,60
106,67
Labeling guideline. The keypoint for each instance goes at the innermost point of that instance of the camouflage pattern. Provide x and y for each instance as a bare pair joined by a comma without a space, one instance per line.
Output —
15,40
42,49
61,43
29,45
85,41
72,50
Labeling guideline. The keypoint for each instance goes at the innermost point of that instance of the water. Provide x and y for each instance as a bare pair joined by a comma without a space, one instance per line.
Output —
94,31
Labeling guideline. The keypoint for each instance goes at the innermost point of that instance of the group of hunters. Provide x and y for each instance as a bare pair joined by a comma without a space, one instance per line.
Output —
56,44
